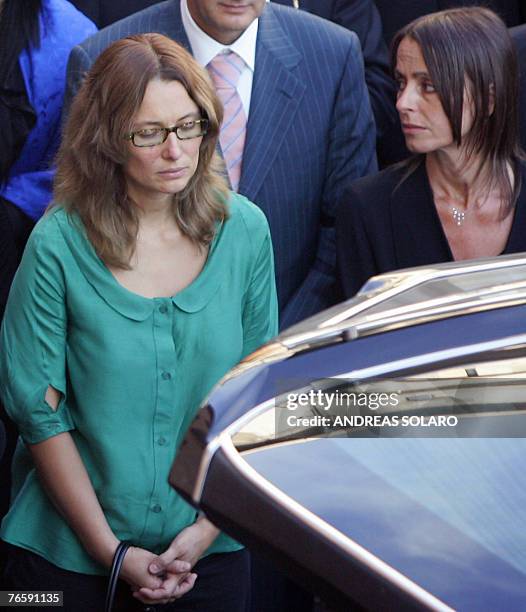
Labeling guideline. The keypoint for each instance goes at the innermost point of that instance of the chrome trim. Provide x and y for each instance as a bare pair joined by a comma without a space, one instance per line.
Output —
214,444
332,534
248,416
206,458
342,322
352,321
311,338
495,293
435,357
396,318
417,276
268,353
422,316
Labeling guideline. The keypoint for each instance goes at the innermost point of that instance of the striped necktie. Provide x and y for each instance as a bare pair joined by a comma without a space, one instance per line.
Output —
225,70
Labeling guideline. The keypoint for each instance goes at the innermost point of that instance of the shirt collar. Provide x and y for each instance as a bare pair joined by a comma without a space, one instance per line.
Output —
192,298
205,48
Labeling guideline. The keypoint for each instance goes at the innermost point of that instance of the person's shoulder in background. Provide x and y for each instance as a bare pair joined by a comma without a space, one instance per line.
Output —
362,18
246,220
66,21
305,29
161,17
106,12
380,185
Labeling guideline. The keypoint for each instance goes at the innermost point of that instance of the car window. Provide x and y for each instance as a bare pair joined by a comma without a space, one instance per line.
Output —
483,398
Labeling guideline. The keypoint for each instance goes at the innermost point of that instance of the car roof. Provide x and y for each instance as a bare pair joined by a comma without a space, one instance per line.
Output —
415,295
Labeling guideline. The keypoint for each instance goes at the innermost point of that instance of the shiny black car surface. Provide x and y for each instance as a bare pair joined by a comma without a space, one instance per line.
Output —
375,452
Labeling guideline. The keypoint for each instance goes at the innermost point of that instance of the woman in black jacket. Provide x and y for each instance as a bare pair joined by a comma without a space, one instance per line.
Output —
461,195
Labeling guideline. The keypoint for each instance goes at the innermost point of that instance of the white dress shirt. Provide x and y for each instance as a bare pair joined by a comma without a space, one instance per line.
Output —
205,48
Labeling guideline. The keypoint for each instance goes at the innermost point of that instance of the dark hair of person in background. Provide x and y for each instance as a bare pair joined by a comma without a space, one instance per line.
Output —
477,46
18,29
89,175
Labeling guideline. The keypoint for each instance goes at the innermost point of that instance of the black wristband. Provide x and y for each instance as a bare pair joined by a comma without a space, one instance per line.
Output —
116,565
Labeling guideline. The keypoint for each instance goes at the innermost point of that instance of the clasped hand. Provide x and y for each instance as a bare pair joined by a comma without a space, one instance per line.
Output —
163,578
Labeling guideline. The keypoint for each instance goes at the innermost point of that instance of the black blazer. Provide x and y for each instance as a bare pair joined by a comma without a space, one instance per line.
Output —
519,37
379,231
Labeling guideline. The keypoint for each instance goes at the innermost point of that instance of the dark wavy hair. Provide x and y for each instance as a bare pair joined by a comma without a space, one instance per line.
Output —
90,179
470,49
19,30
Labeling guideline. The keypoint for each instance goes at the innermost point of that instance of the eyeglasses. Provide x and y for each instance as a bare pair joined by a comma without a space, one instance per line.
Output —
150,137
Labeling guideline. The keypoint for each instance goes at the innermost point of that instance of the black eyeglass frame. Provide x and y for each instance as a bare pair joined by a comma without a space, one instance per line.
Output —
170,130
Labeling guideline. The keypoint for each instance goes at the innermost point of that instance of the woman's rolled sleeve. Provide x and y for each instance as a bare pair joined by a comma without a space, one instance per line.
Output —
33,339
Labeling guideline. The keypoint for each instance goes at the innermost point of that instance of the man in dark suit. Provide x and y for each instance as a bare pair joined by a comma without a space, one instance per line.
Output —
363,18
309,133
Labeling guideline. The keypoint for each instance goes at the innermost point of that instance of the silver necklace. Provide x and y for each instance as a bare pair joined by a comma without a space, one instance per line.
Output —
458,215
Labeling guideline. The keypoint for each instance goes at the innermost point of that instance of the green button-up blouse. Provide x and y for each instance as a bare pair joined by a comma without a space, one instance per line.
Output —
132,370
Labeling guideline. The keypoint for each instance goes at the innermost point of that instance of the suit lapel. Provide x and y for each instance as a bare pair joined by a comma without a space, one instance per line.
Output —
276,95
418,235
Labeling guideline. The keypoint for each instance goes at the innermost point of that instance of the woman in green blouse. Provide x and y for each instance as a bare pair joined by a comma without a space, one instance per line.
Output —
144,284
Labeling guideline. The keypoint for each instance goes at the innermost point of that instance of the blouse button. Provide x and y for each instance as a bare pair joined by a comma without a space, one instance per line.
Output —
161,441
166,376
163,309
156,509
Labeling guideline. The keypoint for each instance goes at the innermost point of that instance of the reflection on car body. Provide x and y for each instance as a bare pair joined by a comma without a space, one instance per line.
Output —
375,451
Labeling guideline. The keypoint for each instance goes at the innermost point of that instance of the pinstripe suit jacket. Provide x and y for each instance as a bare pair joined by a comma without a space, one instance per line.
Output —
363,18
310,133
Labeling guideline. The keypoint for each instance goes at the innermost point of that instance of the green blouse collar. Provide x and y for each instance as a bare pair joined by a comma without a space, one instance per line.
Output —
132,305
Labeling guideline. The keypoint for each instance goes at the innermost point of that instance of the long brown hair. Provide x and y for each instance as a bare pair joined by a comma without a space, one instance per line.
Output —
470,49
90,179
